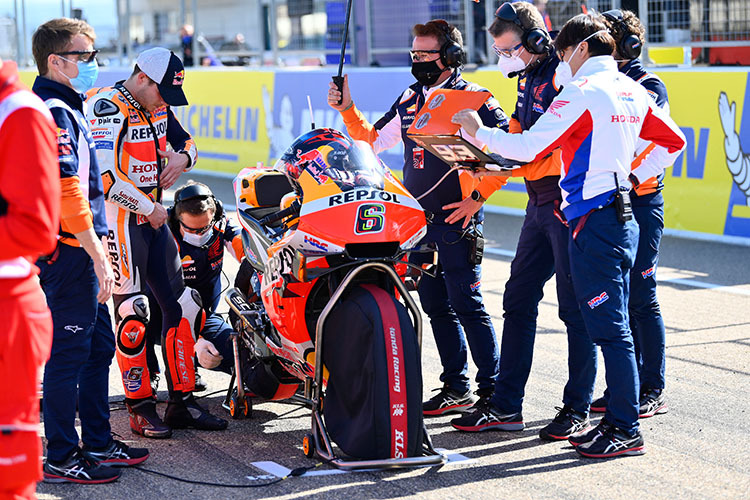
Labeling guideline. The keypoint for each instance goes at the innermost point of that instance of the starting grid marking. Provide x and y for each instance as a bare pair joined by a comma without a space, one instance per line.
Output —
274,470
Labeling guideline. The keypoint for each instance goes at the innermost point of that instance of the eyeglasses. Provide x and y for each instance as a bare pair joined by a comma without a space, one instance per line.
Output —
421,55
506,52
200,230
83,55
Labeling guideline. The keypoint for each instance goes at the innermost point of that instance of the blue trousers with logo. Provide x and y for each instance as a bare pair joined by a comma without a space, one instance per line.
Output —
542,251
83,346
601,258
645,315
453,302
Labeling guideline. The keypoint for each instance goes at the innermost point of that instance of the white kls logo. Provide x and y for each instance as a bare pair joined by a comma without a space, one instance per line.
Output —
73,328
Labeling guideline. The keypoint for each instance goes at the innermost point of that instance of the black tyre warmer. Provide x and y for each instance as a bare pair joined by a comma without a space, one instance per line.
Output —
373,402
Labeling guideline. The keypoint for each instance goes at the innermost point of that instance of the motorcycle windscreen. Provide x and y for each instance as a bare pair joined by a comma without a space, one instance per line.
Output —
356,199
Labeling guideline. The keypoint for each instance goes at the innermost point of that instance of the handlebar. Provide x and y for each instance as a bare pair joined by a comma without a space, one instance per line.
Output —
293,209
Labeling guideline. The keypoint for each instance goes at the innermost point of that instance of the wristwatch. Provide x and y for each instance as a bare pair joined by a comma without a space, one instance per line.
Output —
477,196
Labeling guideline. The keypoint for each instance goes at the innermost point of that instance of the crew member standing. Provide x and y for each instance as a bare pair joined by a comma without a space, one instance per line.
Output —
29,219
77,278
525,49
597,120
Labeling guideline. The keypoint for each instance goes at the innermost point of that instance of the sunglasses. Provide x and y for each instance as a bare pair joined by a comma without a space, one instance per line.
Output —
506,52
83,55
200,230
421,55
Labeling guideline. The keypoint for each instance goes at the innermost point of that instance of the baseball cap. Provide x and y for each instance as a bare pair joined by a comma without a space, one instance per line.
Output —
166,69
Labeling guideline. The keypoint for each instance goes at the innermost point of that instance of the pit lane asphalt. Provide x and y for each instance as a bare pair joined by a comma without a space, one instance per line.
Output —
697,450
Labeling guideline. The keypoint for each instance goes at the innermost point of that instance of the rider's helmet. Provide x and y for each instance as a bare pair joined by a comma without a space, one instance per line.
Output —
327,153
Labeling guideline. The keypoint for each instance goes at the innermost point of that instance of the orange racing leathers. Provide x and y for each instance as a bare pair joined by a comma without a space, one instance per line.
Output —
127,137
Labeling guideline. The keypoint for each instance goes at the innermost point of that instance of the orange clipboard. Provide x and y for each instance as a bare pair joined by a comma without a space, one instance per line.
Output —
435,116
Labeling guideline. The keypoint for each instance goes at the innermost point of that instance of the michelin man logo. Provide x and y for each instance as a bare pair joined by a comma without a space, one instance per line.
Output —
737,153
281,135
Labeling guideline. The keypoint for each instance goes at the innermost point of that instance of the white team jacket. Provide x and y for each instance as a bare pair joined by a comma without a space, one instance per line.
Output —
596,120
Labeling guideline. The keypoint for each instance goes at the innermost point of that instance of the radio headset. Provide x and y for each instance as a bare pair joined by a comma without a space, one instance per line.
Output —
452,55
630,45
535,40
190,192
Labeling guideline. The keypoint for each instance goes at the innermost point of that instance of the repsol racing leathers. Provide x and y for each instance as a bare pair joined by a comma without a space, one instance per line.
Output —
83,344
127,138
453,298
202,268
542,251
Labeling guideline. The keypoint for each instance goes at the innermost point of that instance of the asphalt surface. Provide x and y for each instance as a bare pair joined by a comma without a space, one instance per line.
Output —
699,449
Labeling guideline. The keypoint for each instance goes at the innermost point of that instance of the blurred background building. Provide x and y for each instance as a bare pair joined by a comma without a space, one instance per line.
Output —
308,32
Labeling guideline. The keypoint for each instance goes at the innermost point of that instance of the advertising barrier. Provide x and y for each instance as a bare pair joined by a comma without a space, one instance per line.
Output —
241,117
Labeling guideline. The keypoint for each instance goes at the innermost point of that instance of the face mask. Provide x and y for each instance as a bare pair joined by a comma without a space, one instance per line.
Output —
513,64
426,73
87,75
563,73
197,240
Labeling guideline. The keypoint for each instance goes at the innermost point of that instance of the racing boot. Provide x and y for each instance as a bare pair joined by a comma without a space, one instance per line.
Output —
144,420
183,411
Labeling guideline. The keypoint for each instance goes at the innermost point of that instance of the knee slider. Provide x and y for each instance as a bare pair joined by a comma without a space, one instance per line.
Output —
192,310
131,330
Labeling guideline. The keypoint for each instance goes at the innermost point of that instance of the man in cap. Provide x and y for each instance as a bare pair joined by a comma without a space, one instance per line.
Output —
132,126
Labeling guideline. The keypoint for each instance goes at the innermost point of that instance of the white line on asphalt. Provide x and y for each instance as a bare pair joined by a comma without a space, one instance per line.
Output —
281,471
677,281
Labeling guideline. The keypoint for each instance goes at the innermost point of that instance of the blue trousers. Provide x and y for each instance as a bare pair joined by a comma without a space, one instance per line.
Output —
601,258
453,302
645,315
83,345
542,251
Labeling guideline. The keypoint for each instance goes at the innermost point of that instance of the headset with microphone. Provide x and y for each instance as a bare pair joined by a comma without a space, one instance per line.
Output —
629,46
191,192
452,55
535,40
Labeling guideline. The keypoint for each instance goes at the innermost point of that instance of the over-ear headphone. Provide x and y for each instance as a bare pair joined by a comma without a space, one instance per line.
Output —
452,55
535,40
629,45
190,192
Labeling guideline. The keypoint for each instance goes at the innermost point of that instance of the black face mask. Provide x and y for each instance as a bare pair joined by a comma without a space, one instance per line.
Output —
426,73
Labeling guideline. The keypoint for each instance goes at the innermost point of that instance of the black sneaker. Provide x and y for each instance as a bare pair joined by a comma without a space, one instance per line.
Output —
117,454
587,435
486,417
613,442
448,401
145,421
184,411
599,405
652,402
78,468
566,423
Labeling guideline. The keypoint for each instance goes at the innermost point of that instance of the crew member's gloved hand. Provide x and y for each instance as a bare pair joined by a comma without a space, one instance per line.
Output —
207,354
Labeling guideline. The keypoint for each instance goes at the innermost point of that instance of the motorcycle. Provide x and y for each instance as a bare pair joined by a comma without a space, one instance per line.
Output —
326,234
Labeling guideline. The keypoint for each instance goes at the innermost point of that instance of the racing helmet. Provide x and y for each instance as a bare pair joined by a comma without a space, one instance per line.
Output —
325,153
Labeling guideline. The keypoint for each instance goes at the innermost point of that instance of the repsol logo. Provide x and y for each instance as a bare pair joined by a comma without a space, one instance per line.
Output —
114,256
626,119
396,361
124,201
362,194
143,133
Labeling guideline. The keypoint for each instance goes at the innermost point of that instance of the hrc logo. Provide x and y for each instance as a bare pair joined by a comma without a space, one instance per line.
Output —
648,272
598,300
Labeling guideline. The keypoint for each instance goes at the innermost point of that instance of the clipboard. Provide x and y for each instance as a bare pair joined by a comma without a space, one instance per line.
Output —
435,116
455,150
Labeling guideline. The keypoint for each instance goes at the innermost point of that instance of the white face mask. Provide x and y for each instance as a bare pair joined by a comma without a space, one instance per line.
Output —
563,73
512,64
197,240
